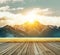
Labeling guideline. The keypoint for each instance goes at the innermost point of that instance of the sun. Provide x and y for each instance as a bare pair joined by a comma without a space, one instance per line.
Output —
31,16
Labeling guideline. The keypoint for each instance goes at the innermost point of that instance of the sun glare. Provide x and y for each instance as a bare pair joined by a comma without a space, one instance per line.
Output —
30,16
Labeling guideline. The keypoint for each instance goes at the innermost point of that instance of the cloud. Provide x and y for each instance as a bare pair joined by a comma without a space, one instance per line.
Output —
18,8
46,11
18,0
7,8
49,20
8,18
5,1
4,8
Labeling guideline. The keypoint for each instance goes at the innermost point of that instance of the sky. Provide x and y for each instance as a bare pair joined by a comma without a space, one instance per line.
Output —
14,8
20,4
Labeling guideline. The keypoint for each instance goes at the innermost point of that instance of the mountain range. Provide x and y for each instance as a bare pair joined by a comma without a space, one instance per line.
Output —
27,29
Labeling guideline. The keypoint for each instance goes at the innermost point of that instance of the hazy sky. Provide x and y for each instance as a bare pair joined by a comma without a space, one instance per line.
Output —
20,4
49,8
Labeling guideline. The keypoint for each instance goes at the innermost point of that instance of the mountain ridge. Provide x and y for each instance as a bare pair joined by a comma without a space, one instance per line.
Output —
30,30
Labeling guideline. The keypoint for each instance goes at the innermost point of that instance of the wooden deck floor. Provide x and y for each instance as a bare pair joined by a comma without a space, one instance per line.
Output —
32,48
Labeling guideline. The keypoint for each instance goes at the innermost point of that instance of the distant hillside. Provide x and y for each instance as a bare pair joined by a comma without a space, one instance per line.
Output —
30,30
39,30
9,31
